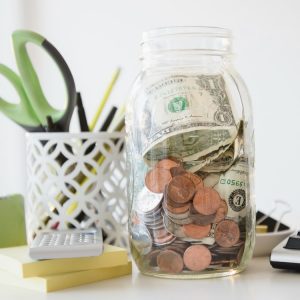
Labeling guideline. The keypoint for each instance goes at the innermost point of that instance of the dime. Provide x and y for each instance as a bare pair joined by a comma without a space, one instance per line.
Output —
167,164
173,228
170,261
141,238
181,221
147,201
227,233
221,212
206,201
196,231
180,189
156,179
197,258
197,180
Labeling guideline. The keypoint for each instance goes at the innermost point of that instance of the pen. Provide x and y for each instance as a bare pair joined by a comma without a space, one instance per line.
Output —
109,119
50,125
81,114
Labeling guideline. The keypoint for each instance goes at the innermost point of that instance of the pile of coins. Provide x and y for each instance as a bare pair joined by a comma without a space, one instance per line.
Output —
186,221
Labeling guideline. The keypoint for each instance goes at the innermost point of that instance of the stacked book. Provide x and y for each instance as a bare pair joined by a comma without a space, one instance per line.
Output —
18,269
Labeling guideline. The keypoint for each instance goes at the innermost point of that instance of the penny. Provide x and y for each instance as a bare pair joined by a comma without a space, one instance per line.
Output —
164,240
156,179
177,210
176,171
227,233
160,233
206,201
180,216
147,201
199,219
197,180
174,204
152,257
180,189
196,231
197,258
170,261
221,212
167,164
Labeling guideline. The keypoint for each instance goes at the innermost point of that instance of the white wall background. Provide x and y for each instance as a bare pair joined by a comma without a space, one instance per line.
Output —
96,36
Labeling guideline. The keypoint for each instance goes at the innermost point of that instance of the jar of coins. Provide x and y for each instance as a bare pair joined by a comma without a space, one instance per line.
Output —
190,154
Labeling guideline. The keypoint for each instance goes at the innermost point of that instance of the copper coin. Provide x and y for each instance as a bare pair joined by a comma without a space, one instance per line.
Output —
197,258
180,189
174,204
207,201
152,257
221,212
175,171
170,261
167,164
157,179
227,233
197,180
202,219
196,231
160,233
177,210
179,216
165,240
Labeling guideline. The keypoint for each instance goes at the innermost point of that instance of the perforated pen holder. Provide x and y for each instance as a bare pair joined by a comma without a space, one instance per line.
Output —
77,181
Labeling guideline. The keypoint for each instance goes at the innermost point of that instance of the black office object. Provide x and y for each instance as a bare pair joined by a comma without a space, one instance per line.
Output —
81,114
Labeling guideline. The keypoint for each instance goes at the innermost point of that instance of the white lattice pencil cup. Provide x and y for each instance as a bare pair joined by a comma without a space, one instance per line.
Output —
77,181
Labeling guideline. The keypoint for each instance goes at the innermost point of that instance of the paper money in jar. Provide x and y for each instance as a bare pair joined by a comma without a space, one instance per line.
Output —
232,187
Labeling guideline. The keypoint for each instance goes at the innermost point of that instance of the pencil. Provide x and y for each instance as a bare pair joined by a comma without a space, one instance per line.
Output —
104,99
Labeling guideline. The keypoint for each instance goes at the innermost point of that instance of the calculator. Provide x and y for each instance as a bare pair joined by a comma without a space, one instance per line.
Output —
49,244
286,255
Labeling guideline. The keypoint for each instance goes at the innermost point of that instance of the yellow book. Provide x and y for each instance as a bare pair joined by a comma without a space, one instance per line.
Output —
65,280
16,260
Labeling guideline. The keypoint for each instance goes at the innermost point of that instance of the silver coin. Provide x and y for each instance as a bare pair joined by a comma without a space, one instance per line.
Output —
141,238
181,221
173,228
147,201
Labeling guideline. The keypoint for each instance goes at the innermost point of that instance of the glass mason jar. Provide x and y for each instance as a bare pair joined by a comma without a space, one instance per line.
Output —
190,156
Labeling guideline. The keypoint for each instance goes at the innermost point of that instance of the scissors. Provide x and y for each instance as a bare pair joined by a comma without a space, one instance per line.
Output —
33,110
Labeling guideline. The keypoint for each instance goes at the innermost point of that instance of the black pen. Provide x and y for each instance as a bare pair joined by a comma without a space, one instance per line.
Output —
81,114
50,125
109,119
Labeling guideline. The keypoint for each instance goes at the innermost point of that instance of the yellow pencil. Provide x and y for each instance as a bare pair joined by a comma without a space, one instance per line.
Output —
104,99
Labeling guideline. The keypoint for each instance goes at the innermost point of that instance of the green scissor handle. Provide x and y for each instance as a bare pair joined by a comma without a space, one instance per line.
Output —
31,84
22,112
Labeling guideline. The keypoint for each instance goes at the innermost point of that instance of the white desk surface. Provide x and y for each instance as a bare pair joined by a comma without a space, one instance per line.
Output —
259,281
